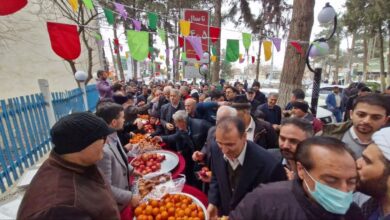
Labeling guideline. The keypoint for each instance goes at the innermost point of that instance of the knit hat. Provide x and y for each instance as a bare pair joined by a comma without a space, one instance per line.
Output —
302,105
77,131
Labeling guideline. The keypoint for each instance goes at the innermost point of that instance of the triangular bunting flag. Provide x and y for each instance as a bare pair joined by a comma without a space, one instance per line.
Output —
138,44
88,4
162,34
184,27
64,40
253,59
10,7
74,4
136,25
232,50
121,10
246,40
267,45
152,20
276,42
214,33
196,43
109,15
297,46
181,41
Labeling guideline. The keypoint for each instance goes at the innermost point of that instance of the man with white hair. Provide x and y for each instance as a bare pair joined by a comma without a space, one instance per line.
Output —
374,175
169,109
190,135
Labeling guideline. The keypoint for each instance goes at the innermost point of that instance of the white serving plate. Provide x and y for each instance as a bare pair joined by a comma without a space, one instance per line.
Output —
170,162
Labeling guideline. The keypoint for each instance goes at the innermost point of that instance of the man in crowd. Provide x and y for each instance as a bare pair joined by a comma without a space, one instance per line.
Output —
238,166
258,131
259,95
300,109
327,179
185,92
204,156
204,110
272,112
292,132
374,175
334,104
231,93
250,95
68,185
190,135
369,113
169,109
102,85
164,99
143,97
297,95
349,103
114,165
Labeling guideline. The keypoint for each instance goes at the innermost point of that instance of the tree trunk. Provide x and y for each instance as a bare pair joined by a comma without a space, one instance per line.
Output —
72,66
89,49
167,49
118,55
365,58
294,63
336,71
258,60
351,53
382,59
217,23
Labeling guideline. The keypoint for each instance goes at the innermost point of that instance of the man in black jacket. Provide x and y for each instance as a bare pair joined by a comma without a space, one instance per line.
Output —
327,179
169,109
237,166
259,95
190,135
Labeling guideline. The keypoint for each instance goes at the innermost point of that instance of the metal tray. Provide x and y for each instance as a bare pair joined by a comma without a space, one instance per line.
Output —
170,162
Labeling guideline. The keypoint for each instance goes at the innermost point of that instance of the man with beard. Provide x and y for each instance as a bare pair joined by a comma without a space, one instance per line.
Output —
369,113
374,172
292,132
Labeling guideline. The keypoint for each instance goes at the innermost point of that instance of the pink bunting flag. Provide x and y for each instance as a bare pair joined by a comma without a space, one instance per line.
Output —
100,43
136,24
121,10
276,42
196,43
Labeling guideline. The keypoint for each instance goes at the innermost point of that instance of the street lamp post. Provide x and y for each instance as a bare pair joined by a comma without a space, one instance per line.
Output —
205,66
326,15
81,76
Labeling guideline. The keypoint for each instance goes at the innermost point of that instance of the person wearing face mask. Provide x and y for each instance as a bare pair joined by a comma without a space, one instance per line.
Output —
327,178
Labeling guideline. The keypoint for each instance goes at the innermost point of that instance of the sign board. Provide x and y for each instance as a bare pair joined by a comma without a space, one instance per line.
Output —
199,27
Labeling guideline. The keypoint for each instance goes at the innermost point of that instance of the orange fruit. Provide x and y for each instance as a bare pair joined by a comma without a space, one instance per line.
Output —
169,205
158,217
171,218
142,217
150,217
163,208
138,211
164,215
155,211
153,203
187,211
200,215
183,206
149,210
192,207
171,211
194,214
186,201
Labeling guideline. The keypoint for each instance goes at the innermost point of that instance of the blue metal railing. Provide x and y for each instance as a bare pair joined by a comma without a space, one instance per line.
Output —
24,128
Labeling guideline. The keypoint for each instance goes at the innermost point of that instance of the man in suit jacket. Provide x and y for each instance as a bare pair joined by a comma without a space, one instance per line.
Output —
238,166
334,103
169,109
114,165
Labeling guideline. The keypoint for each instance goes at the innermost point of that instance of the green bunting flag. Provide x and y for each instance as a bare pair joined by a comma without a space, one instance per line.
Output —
151,49
98,36
88,4
232,50
183,56
152,20
109,15
214,50
247,40
161,33
138,44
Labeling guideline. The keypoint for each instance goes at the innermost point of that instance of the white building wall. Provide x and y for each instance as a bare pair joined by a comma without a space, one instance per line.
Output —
26,54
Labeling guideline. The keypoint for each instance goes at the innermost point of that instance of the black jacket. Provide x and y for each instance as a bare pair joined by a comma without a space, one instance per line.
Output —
166,114
265,135
286,200
260,97
259,167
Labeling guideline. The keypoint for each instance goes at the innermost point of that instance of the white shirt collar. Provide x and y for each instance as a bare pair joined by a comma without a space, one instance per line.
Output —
250,130
237,161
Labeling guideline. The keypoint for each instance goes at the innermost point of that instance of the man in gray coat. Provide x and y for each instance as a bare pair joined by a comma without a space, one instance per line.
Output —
114,164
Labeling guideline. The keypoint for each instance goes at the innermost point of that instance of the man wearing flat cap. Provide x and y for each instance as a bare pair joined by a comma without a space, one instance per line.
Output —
374,174
68,185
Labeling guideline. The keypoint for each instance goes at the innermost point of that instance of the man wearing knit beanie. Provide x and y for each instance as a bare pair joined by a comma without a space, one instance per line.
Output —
68,185
300,109
374,174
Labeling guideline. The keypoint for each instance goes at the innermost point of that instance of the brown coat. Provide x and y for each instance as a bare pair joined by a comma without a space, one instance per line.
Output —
62,190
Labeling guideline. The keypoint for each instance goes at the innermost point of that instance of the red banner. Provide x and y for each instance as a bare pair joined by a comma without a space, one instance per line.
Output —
199,27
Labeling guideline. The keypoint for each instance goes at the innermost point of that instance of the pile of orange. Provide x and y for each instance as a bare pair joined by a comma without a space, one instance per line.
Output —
137,138
170,207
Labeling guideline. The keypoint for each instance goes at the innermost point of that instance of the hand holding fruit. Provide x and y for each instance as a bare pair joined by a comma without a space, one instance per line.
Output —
170,126
205,175
135,199
197,156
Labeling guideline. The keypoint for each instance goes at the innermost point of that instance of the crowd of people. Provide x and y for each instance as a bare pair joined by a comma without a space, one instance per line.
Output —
266,161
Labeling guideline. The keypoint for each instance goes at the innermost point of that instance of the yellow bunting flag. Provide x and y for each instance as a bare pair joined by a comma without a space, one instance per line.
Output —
196,65
74,4
213,58
185,27
267,50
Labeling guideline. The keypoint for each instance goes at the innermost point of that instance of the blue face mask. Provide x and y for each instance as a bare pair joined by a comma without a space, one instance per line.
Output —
331,199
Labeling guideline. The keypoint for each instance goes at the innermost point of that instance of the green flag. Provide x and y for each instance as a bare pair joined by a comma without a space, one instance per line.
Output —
232,50
109,15
247,40
88,4
214,50
152,20
98,36
161,33
183,56
138,44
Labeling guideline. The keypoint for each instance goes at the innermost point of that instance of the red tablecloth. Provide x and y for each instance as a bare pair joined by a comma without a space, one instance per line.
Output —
127,214
196,193
180,167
